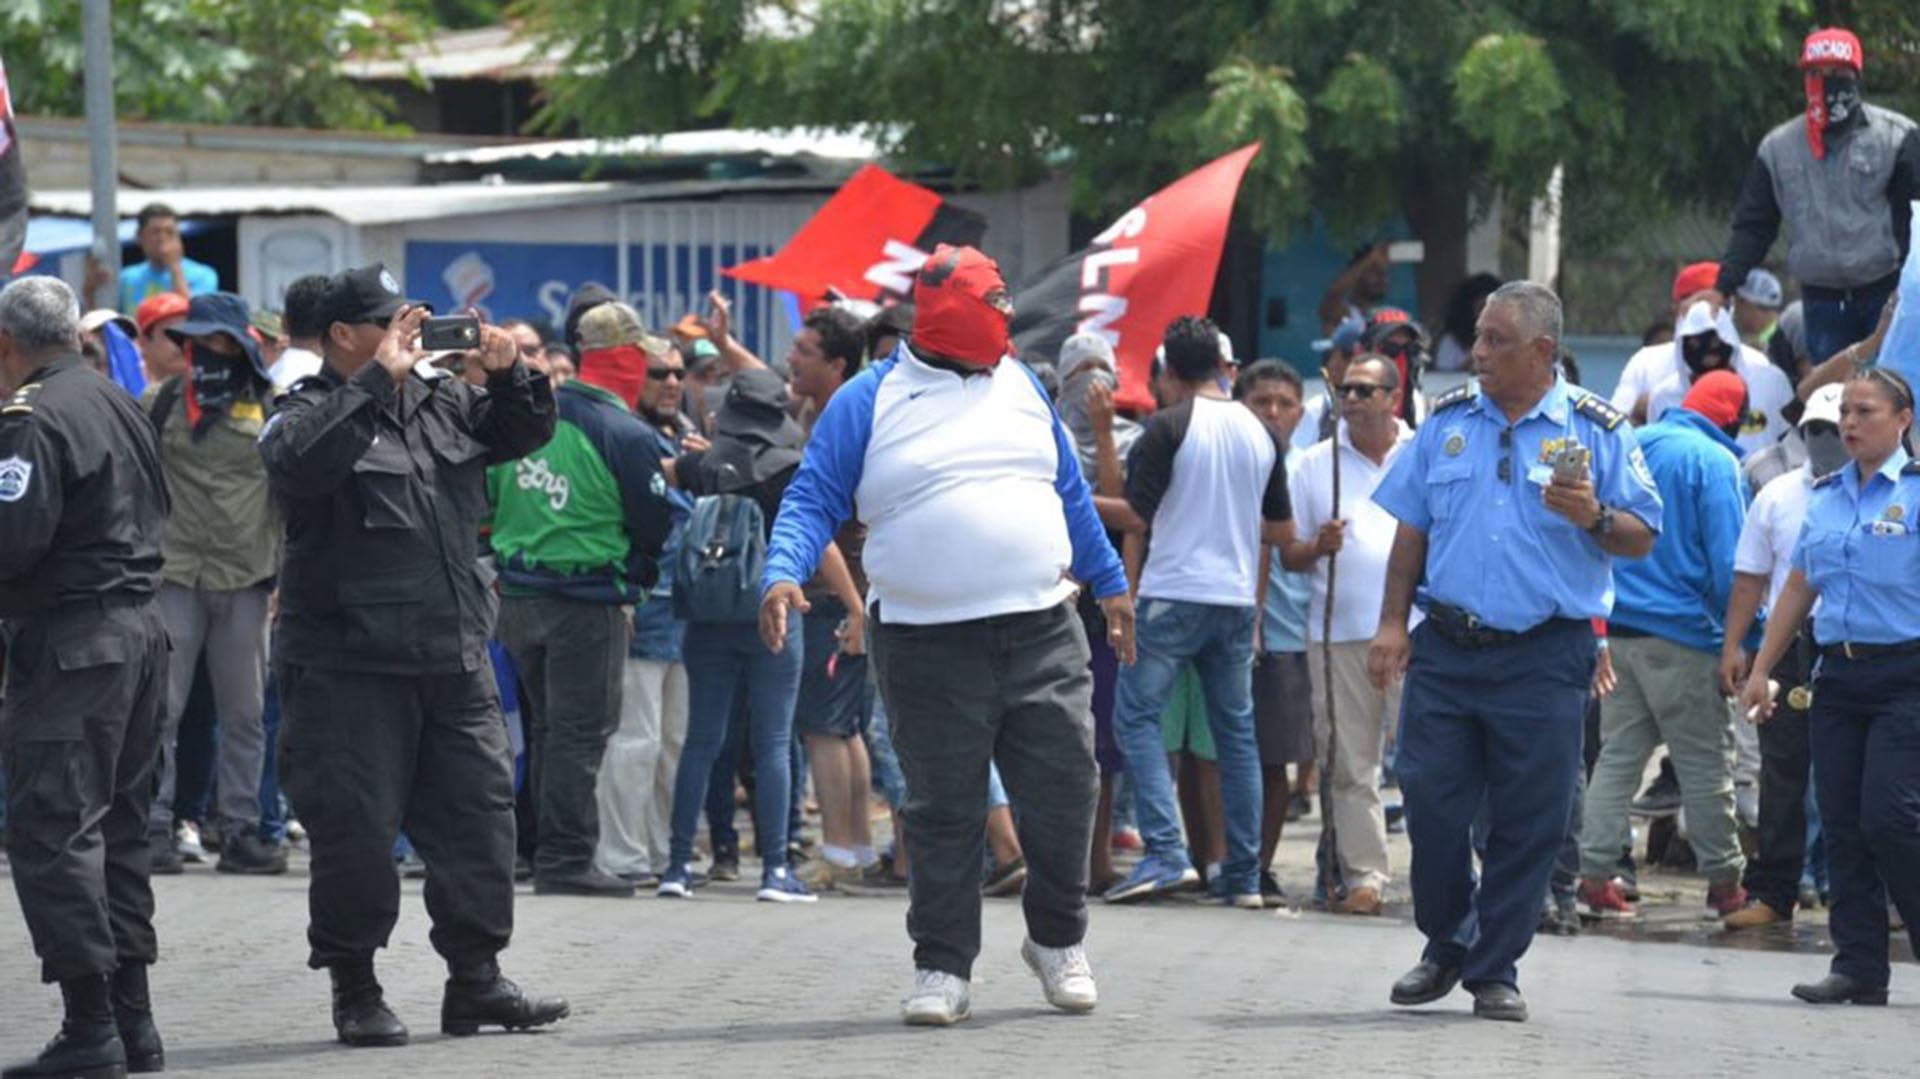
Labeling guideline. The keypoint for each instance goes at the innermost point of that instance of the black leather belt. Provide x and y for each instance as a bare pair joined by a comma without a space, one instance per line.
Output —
1851,650
1465,630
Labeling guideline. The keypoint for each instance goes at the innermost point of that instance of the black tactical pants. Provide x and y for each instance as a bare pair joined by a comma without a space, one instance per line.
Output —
363,756
79,735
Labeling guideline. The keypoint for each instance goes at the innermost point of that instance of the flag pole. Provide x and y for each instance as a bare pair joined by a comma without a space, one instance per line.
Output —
103,165
1329,834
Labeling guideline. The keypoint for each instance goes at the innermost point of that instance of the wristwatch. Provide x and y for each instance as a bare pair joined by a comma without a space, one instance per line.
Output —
1602,525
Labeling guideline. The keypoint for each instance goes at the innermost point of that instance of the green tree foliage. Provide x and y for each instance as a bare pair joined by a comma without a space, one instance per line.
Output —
1366,110
272,62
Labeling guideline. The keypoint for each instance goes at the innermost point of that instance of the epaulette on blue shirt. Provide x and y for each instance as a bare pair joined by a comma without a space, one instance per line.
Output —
1599,410
1459,395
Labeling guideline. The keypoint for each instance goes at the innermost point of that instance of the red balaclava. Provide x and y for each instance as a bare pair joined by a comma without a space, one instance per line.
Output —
1720,396
1830,46
621,370
951,315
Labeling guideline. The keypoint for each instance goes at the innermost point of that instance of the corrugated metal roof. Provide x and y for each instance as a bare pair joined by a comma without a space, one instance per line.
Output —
491,52
724,142
391,205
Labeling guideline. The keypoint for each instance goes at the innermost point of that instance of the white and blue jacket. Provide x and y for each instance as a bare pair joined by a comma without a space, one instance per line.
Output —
969,487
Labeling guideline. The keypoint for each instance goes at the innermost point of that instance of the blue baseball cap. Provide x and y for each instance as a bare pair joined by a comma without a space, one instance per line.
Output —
1345,336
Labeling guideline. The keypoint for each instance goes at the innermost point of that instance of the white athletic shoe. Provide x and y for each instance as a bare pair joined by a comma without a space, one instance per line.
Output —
938,999
1064,975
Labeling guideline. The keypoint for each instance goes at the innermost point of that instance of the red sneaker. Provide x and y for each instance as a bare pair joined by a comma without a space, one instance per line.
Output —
1604,899
1726,897
1126,839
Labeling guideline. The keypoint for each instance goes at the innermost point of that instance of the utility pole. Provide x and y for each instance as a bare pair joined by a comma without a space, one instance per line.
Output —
102,156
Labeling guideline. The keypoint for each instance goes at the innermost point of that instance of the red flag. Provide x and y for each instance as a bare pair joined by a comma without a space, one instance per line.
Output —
1150,267
866,242
13,191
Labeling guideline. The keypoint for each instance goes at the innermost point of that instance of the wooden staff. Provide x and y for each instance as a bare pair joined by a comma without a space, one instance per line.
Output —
1328,833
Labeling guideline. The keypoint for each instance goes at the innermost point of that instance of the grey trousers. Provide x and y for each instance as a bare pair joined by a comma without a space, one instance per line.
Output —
1013,690
1668,693
231,626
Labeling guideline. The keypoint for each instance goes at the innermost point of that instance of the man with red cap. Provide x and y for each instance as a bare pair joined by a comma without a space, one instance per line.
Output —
981,531
1841,177
1665,635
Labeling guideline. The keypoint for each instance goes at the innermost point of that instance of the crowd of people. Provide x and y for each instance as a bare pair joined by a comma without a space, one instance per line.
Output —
535,608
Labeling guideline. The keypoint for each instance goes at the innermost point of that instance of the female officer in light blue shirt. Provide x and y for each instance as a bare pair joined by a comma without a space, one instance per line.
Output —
1859,553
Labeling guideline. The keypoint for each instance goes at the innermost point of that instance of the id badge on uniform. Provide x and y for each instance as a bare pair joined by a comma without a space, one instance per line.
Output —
1559,456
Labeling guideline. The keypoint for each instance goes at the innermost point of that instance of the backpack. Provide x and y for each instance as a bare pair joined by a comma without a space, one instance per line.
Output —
716,572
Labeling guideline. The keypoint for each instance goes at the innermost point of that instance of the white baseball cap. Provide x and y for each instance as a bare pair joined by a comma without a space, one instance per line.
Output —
1761,289
1823,406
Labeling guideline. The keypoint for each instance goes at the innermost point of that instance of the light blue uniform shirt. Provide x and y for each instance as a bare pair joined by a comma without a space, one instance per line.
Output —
1493,547
1860,551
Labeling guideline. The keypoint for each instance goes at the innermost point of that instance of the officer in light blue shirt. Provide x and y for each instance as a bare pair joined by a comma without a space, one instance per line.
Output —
1859,555
1513,501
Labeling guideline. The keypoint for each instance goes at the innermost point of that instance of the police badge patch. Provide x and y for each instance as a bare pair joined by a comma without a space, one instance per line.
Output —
15,474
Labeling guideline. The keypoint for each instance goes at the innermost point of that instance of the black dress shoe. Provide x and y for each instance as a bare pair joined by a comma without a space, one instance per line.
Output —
1498,1000
590,882
482,998
165,857
361,1017
133,1015
88,1046
1840,989
1425,984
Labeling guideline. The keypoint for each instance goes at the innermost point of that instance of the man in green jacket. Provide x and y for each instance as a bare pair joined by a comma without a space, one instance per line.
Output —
577,527
222,551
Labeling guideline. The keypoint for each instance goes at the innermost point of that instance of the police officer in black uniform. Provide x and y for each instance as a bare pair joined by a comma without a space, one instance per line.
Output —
392,720
82,507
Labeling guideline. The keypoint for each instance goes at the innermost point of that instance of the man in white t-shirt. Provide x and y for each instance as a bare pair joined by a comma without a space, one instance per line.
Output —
1209,479
1354,539
1654,362
1760,565
306,322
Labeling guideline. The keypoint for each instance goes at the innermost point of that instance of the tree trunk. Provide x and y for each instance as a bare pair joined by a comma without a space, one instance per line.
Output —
1437,210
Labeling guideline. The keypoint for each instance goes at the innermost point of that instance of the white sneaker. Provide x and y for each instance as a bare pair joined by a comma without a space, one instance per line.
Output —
1064,975
938,999
186,840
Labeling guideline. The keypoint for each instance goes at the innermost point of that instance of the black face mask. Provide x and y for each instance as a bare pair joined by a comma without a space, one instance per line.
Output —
1703,352
1842,95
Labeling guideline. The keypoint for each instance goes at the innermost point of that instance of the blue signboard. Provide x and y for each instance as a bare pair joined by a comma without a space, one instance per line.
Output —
533,281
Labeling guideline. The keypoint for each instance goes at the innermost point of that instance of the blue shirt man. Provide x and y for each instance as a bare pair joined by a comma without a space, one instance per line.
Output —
166,268
1513,500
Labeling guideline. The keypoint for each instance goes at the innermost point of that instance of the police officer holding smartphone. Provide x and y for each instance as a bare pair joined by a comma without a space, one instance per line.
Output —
82,509
392,720
1513,501
1859,554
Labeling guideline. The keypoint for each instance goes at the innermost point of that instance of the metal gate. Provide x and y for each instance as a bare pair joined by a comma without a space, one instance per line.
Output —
670,256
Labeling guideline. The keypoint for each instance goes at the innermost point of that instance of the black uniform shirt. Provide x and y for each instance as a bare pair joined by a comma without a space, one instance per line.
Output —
83,504
382,489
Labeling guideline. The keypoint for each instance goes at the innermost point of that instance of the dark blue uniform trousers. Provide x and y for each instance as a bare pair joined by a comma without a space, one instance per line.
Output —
1865,734
1503,724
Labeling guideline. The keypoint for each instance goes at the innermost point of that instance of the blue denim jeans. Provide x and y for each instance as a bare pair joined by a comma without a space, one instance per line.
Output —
1835,320
886,763
1219,643
717,654
273,815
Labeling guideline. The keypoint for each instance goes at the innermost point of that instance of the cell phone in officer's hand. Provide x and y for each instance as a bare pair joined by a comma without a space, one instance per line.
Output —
450,333
1570,463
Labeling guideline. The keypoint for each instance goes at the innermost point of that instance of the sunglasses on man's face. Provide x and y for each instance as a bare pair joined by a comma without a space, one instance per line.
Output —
1362,390
661,374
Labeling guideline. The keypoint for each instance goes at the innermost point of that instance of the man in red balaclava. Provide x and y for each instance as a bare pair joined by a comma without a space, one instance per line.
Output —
1841,177
980,533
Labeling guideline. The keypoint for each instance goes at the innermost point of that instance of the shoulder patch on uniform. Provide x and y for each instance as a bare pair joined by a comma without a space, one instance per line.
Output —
1599,410
15,474
1459,395
310,382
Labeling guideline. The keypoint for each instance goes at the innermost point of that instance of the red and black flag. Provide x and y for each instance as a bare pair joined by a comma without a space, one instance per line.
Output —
13,188
1150,267
866,243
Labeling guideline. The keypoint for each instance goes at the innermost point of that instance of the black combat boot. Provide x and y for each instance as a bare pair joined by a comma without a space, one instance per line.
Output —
478,996
361,1017
88,1045
133,1014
